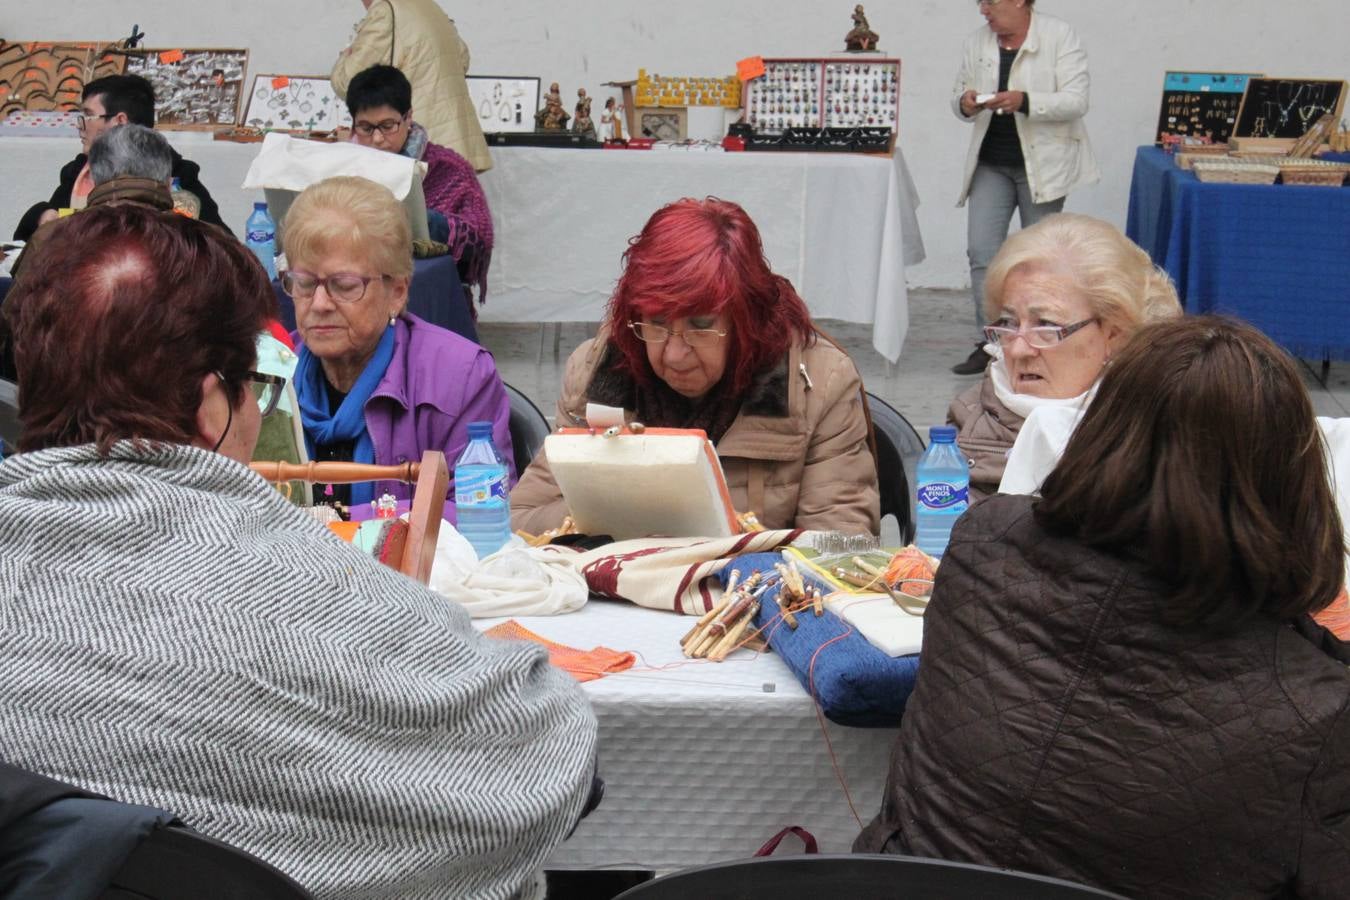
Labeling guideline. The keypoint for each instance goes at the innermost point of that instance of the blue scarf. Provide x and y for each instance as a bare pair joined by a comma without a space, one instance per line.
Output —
349,422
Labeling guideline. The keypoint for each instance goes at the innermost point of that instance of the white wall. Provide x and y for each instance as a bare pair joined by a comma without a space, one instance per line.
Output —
582,43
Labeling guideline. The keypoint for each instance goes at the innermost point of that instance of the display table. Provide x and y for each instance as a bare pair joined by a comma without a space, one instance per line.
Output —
705,761
840,227
1277,256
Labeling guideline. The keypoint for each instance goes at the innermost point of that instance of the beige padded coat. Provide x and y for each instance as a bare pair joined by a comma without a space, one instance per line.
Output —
422,41
797,453
986,431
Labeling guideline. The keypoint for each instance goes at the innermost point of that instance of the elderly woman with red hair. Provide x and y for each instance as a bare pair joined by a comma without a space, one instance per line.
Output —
702,334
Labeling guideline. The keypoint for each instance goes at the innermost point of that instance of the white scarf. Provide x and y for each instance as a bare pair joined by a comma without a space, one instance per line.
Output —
1023,404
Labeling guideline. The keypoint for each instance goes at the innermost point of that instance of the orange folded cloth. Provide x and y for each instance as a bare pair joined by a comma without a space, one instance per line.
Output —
583,665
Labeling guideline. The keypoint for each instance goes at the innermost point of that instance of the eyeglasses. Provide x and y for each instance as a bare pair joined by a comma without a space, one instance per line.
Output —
267,390
388,126
659,334
979,3
344,287
81,119
1039,336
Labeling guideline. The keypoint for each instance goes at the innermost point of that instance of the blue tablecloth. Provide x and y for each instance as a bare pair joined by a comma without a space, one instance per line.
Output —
1277,256
435,295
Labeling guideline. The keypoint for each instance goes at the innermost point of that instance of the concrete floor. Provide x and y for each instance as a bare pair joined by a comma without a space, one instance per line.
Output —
920,386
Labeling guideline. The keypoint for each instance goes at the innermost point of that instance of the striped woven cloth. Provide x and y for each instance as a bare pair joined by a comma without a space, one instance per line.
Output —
174,633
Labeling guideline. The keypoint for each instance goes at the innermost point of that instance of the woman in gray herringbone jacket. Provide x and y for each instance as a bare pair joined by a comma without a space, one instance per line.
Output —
174,633
1120,683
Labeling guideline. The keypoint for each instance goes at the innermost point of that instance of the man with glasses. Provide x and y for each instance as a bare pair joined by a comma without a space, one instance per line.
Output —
380,101
106,103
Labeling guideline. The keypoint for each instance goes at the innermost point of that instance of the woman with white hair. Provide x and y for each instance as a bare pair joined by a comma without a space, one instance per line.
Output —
1063,297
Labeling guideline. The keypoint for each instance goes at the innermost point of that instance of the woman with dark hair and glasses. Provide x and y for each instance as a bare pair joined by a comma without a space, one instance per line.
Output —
177,635
702,334
377,384
1120,682
1062,297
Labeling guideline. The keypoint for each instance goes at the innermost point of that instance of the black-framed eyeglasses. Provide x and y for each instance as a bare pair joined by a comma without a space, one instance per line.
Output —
388,126
267,390
81,119
1038,336
659,334
344,287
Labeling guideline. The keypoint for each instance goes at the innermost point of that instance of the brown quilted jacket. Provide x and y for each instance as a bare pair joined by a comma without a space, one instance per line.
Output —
1058,727
796,455
986,431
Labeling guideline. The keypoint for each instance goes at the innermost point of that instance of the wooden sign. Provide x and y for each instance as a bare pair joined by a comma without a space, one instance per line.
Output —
301,103
1201,105
195,89
46,75
1287,107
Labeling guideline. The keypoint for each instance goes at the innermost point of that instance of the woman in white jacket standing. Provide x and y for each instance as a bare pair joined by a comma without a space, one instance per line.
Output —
1024,85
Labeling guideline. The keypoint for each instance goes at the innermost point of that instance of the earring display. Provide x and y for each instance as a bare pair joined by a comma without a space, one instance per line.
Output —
824,93
504,103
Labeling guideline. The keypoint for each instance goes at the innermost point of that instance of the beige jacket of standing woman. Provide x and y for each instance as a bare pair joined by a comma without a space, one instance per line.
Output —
1051,69
422,41
797,454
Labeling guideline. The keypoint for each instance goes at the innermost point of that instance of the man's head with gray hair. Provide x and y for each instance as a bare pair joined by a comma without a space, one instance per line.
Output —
131,150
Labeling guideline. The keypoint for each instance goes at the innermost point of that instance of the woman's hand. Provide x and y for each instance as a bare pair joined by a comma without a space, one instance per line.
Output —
968,105
1005,103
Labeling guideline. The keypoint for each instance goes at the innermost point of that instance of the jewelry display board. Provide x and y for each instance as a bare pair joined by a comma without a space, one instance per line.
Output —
661,123
1287,107
48,75
295,103
824,93
195,89
1201,105
503,103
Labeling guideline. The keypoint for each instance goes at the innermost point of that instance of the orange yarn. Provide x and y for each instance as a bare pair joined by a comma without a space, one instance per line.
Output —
583,665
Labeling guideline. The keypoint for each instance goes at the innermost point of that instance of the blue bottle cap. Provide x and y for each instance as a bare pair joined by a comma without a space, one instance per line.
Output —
260,204
942,434
480,430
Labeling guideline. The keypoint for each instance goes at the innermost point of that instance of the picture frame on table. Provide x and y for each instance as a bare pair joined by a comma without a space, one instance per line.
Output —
504,104
295,103
661,123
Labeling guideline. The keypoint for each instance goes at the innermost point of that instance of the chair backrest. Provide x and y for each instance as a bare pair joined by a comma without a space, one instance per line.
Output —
898,450
172,863
9,414
431,477
528,428
856,877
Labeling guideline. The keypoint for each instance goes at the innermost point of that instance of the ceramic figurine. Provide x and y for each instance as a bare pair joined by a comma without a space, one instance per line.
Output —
582,124
862,38
552,117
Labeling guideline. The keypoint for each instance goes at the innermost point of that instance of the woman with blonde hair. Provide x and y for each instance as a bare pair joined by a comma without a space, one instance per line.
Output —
376,384
1063,297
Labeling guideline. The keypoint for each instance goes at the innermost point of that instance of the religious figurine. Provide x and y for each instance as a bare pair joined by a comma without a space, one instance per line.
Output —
552,117
583,124
611,121
862,38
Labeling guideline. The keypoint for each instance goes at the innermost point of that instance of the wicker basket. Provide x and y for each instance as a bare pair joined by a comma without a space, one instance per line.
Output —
1324,174
1187,154
1234,171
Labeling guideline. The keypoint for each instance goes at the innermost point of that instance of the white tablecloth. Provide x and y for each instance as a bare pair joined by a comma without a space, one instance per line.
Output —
706,761
840,227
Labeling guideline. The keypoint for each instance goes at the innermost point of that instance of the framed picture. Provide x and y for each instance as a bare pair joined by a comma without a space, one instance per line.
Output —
503,103
661,123
302,103
198,89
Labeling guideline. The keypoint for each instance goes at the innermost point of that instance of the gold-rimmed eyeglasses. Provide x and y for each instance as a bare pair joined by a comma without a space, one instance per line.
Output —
659,334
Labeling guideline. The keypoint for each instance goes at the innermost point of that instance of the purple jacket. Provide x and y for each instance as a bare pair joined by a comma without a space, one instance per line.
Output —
436,384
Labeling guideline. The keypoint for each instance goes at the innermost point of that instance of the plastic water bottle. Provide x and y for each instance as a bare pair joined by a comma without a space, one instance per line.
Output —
260,234
184,201
943,491
481,503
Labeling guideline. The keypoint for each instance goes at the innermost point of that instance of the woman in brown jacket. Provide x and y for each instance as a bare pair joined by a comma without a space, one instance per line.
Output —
1063,296
1120,683
701,334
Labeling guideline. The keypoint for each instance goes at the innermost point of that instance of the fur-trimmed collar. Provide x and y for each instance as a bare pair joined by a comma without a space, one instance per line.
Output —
767,394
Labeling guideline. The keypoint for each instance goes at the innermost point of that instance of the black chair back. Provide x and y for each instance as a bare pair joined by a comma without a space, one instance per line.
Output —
177,863
898,450
528,428
856,877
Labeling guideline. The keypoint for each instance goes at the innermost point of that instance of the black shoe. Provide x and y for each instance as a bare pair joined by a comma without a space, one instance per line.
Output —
975,363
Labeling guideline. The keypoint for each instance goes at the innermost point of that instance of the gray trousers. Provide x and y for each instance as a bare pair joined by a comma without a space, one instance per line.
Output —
995,191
